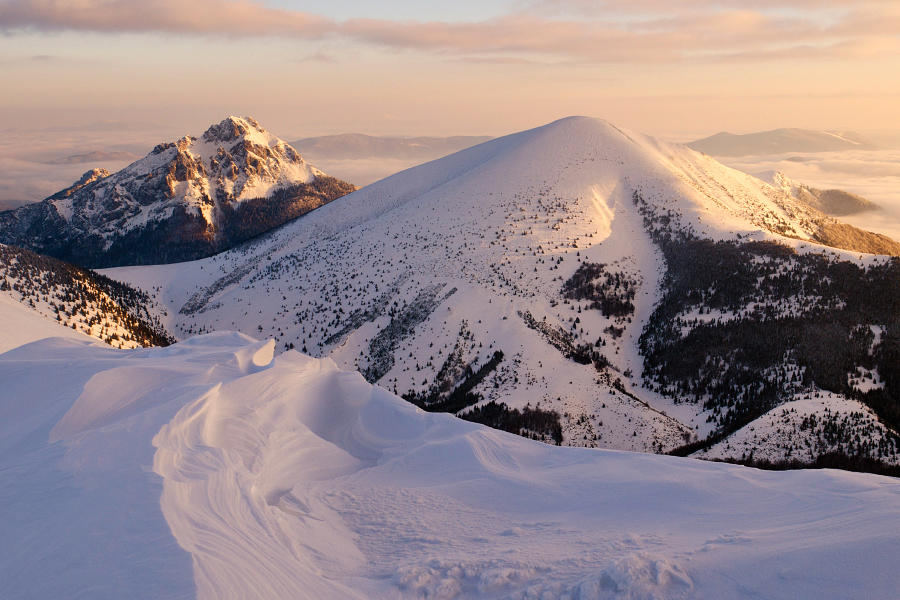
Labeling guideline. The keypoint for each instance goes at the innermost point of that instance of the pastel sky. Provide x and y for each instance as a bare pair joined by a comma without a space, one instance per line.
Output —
675,68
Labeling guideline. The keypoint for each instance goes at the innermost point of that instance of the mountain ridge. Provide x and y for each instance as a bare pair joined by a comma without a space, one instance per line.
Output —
834,202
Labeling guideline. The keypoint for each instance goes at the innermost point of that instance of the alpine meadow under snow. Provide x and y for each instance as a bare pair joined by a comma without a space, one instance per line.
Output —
572,285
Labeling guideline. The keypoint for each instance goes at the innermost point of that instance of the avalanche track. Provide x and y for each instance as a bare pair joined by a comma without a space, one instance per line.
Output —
212,469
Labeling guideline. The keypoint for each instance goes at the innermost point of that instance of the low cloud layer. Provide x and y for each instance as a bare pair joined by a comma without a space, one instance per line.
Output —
23,181
873,175
25,175
614,31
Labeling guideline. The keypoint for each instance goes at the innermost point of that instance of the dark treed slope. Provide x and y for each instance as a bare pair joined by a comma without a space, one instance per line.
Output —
183,201
745,326
81,299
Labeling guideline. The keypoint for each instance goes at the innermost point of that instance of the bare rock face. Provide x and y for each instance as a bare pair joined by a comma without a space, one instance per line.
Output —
185,200
229,130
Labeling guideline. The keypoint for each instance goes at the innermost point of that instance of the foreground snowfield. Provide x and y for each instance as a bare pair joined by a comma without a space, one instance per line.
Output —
21,325
209,469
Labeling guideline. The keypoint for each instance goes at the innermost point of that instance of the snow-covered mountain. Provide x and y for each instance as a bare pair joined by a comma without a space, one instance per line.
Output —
184,200
208,469
581,284
781,141
578,284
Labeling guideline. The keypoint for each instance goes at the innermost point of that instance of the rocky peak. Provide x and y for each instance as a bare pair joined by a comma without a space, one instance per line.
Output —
231,129
186,199
86,179
185,143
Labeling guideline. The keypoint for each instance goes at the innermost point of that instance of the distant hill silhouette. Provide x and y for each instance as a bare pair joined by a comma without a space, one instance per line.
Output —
780,141
356,146
95,156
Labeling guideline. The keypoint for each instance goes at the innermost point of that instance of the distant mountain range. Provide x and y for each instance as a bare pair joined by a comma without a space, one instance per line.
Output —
185,200
95,156
357,146
781,141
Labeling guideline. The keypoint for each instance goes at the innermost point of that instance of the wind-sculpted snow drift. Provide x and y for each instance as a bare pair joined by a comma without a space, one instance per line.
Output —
209,469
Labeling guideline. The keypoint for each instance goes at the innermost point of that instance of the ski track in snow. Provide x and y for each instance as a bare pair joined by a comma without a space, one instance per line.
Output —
210,469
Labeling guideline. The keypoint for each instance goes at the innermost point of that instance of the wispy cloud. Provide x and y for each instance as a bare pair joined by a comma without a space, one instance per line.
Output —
320,57
221,17
581,30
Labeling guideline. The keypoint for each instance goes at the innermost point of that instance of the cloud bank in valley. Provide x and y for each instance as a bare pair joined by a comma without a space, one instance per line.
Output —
874,175
26,176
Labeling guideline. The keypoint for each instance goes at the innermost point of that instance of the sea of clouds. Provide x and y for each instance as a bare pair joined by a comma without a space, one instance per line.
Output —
25,175
874,175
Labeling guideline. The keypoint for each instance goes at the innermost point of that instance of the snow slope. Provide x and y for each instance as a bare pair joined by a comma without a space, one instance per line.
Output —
21,325
209,469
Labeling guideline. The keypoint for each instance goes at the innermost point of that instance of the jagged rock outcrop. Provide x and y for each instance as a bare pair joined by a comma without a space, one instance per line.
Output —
185,200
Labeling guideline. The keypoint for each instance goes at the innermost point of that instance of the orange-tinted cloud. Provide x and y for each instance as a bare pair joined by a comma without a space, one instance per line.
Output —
666,31
223,17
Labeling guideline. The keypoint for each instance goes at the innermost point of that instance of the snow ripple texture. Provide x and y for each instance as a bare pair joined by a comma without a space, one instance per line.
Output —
210,469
